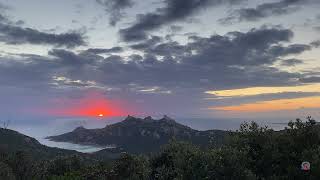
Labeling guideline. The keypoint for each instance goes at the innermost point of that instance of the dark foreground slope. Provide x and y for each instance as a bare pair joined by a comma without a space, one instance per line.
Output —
136,135
12,141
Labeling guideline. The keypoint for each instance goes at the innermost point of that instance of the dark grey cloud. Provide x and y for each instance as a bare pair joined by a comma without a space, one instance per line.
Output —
69,58
2,18
12,33
291,62
104,51
256,47
173,10
115,8
28,71
237,59
161,74
311,79
316,43
175,28
268,9
291,49
18,35
157,46
317,28
4,7
175,76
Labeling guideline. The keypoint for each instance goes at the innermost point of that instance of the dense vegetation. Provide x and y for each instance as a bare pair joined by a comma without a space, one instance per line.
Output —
252,152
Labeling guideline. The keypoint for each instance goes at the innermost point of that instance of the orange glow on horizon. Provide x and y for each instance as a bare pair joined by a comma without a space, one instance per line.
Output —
253,91
92,105
274,105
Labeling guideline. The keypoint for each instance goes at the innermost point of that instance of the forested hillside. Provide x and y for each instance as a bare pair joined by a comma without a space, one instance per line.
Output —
253,152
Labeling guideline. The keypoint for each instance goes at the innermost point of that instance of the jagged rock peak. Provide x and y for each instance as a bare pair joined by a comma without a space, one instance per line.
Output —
167,119
149,118
128,118
132,119
80,128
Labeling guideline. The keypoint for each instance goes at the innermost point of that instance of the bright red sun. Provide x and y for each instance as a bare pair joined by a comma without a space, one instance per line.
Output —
101,115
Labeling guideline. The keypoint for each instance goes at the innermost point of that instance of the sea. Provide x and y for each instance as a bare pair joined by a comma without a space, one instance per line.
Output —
44,127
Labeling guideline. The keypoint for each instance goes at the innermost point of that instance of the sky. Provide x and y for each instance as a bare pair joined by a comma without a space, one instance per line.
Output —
184,58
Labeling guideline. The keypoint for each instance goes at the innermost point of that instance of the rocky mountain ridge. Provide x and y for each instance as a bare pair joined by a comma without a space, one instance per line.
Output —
141,135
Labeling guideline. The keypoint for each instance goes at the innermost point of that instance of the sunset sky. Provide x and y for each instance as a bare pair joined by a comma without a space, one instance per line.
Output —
184,58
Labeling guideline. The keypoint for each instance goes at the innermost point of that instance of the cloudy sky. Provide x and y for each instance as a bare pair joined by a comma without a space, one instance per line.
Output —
185,58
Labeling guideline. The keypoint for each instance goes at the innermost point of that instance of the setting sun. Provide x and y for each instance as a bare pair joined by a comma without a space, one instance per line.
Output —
92,104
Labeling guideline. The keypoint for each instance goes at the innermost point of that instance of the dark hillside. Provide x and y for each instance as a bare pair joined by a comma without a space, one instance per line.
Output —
137,135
